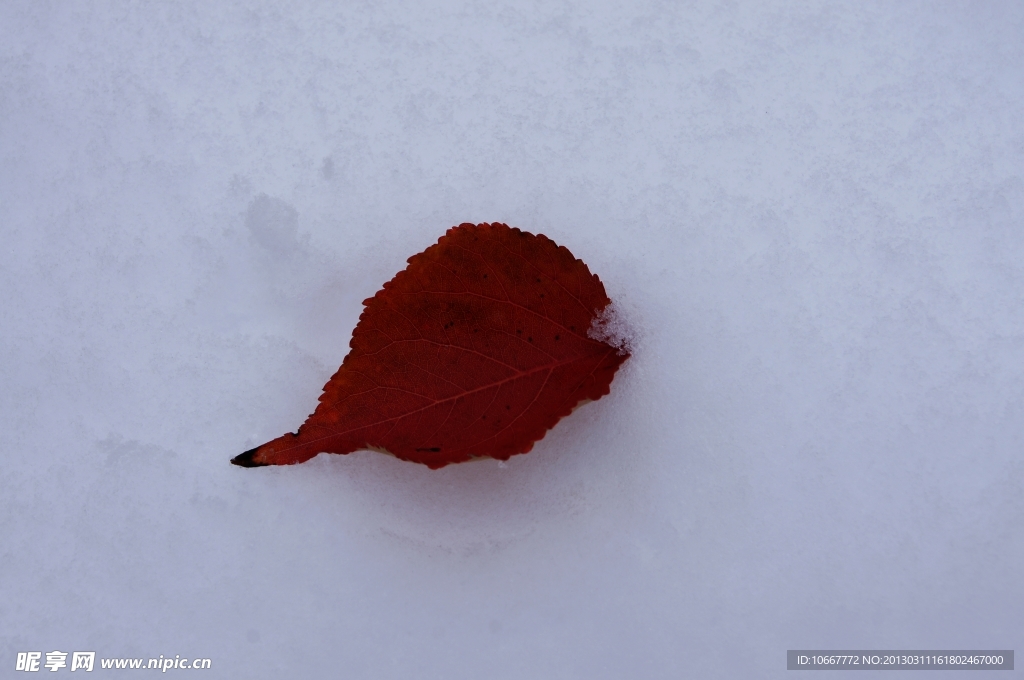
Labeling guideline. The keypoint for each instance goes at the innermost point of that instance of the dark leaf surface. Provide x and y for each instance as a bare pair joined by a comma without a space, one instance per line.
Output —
476,349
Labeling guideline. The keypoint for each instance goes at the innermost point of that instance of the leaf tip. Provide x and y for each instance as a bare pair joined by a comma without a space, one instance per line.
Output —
247,459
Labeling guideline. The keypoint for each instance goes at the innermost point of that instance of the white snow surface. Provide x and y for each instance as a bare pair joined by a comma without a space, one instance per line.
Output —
810,214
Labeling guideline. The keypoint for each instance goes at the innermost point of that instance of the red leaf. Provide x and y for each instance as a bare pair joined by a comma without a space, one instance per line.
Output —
476,349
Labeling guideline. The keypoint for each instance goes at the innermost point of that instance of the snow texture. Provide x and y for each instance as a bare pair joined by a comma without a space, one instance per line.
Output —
811,214
612,327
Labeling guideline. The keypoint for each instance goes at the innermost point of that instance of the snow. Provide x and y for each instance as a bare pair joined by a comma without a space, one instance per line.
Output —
809,215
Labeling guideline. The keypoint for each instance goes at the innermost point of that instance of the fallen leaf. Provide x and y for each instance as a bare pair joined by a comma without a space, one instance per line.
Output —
475,350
